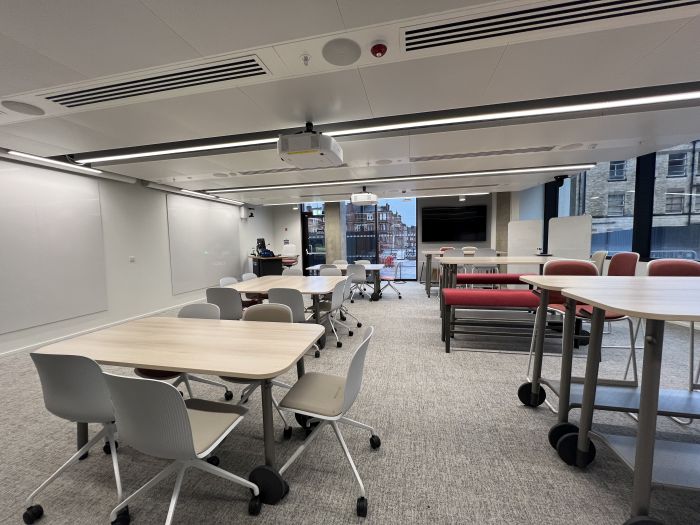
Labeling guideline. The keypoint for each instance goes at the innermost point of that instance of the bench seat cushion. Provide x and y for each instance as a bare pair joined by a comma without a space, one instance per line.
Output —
490,278
490,298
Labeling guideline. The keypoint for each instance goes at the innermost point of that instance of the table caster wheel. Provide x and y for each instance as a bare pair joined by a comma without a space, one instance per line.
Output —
359,325
228,395
272,487
254,506
350,333
525,395
213,460
568,452
352,300
317,353
107,448
32,514
643,520
123,517
287,434
343,318
362,507
375,442
339,344
400,297
559,430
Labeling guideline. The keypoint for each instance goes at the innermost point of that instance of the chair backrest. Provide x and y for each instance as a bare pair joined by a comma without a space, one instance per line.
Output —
229,302
225,281
340,261
330,271
248,276
327,266
469,248
353,380
151,417
347,290
486,252
363,261
289,249
74,388
200,311
598,258
445,248
338,295
298,272
624,264
673,268
290,297
397,266
271,313
357,272
567,267
452,252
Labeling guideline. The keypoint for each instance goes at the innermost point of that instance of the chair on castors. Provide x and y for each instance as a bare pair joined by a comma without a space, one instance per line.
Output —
358,274
344,311
332,272
271,313
331,310
328,398
155,420
290,255
74,389
191,311
389,280
363,261
324,266
340,261
252,298
225,281
296,272
295,301
598,258
680,268
229,302
248,276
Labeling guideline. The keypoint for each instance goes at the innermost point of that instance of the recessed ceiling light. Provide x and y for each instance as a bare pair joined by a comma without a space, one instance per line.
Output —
341,51
22,107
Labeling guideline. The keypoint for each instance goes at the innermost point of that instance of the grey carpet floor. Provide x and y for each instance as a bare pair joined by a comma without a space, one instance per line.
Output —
457,445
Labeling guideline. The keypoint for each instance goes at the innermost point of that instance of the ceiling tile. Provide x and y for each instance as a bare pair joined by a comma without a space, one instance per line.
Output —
358,13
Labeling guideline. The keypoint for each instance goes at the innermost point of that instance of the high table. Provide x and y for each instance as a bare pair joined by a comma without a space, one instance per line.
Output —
374,269
429,268
663,462
244,349
315,286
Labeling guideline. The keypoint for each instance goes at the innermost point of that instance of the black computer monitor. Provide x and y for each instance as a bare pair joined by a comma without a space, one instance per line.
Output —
260,245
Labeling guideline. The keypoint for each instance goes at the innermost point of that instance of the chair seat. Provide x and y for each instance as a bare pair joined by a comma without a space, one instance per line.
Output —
209,420
586,312
316,393
490,298
161,375
490,278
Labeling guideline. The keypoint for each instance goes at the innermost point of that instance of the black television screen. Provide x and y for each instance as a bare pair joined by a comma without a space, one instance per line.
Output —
454,223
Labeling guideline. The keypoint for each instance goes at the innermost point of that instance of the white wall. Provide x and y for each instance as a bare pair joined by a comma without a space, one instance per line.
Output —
261,225
527,204
287,225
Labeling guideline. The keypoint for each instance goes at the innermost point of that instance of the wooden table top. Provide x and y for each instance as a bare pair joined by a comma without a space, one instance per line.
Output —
368,267
559,282
652,299
503,259
243,349
312,285
432,252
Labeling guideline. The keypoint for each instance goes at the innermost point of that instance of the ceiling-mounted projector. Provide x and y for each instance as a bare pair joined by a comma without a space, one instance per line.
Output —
363,199
310,149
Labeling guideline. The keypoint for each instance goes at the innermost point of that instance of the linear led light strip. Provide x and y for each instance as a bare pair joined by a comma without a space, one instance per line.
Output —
391,198
544,169
53,162
173,189
484,117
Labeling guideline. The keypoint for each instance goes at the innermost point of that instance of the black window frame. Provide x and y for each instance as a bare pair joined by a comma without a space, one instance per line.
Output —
685,166
617,163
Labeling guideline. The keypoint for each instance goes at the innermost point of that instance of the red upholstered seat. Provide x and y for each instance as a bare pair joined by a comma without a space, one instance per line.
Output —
490,278
586,312
490,298
673,268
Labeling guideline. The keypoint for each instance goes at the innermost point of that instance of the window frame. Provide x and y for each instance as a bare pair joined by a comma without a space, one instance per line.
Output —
617,163
685,166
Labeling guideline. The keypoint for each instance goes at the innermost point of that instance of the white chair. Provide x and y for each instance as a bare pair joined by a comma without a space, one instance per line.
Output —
191,311
297,272
344,311
363,261
295,301
340,261
358,274
490,268
329,310
229,302
155,420
389,280
324,266
271,313
225,281
74,389
598,258
330,271
328,398
248,276
290,255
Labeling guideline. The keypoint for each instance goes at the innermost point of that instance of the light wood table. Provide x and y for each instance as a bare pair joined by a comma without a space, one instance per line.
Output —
374,269
429,268
658,463
315,286
243,349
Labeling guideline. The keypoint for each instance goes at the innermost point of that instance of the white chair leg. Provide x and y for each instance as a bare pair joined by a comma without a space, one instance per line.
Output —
302,447
347,455
72,460
184,379
207,381
357,424
176,494
277,407
150,483
115,462
211,469
335,333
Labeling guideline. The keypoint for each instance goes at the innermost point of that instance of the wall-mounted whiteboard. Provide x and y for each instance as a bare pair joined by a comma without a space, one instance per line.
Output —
204,242
570,237
52,263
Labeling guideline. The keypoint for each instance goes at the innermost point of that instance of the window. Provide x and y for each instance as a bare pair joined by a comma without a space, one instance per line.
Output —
675,201
696,200
676,165
617,170
616,204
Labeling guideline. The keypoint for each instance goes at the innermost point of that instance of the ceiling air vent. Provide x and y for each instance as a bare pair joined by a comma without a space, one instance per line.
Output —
210,73
527,20
494,153
287,170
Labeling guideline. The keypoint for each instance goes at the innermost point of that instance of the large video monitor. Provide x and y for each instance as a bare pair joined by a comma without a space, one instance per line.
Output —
454,224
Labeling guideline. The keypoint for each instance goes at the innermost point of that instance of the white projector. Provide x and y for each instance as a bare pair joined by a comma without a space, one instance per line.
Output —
363,199
310,149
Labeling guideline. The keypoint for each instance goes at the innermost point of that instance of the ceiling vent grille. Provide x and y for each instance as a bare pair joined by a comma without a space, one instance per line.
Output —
494,153
222,71
527,20
286,170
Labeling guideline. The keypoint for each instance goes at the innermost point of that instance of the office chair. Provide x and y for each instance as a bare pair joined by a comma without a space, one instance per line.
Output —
330,308
325,266
290,255
155,420
344,311
363,261
271,313
191,311
389,280
252,298
328,398
598,258
296,272
485,252
225,281
340,261
75,390
358,273
334,272
295,301
248,276
229,302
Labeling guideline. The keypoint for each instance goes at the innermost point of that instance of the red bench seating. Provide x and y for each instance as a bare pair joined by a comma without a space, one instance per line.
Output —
490,278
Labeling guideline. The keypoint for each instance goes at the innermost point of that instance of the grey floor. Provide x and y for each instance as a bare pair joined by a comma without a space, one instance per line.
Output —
457,445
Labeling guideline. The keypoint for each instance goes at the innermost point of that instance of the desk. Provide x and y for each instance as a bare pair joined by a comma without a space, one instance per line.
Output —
663,462
266,265
245,349
374,269
429,268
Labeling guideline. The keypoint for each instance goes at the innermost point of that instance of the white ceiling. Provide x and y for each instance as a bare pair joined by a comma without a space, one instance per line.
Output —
48,44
